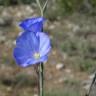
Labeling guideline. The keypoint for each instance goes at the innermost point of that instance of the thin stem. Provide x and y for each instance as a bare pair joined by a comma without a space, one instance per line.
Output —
41,79
41,65
40,7
45,5
92,84
36,68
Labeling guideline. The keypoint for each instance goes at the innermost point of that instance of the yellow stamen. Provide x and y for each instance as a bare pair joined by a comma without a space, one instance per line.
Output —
36,55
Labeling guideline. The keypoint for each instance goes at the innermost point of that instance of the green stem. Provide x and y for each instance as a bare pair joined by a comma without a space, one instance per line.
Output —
42,9
41,65
44,6
41,79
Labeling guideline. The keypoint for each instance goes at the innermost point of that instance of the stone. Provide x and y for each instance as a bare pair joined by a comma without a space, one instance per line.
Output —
35,94
86,84
91,76
64,55
86,87
68,70
61,80
2,39
14,42
60,66
51,27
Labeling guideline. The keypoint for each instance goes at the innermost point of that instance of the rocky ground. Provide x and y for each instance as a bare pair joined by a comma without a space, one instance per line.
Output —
70,68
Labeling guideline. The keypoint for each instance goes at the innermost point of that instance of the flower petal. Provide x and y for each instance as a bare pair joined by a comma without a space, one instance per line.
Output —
18,52
32,61
43,59
33,24
26,45
23,57
29,62
45,45
28,41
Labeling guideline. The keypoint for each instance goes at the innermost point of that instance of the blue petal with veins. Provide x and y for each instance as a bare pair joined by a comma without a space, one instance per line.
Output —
32,24
29,44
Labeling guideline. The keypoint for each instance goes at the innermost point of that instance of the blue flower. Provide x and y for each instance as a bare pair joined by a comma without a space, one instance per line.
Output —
32,24
31,49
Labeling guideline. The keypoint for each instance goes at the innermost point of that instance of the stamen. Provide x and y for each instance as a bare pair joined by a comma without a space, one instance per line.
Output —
36,55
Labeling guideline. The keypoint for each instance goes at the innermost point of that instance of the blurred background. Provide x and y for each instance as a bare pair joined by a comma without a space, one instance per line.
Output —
71,66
